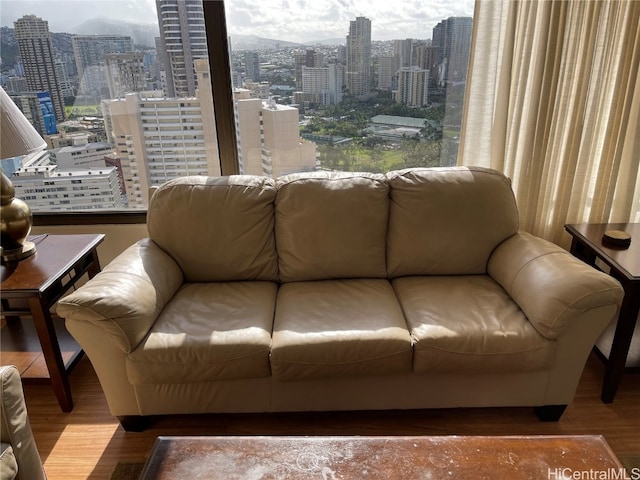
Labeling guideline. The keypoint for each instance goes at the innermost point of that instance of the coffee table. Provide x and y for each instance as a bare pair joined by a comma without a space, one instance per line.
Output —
383,458
624,265
30,288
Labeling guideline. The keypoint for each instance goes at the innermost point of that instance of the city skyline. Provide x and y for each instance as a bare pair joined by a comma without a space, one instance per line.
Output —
285,20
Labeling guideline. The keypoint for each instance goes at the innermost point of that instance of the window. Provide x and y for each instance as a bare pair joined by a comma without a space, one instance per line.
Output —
121,109
368,88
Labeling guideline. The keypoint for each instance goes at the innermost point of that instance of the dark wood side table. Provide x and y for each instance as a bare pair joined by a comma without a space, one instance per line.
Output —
355,458
32,286
624,264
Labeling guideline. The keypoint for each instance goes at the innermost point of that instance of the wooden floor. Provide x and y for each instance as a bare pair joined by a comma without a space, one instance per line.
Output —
87,443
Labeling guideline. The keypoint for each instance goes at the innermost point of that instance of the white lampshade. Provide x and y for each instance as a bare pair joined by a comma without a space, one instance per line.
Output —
17,135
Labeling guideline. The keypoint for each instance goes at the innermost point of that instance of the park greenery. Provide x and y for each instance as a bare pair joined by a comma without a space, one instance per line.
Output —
366,152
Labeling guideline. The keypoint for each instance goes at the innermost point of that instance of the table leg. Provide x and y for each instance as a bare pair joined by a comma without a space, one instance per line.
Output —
94,268
583,252
621,341
51,350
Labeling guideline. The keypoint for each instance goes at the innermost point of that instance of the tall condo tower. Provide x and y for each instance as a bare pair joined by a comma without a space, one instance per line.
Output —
183,40
358,74
252,66
36,50
452,38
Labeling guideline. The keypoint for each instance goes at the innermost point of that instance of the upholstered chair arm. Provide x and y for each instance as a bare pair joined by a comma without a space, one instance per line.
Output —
551,286
128,295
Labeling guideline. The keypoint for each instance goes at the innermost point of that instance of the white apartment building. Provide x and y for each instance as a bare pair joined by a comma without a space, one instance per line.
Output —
413,83
158,139
48,188
87,155
323,85
269,138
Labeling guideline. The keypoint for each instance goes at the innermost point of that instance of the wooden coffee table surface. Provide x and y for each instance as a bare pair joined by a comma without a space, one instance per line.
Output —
384,458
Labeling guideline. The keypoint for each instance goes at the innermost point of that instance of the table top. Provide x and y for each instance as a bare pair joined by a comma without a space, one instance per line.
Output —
625,260
350,458
56,255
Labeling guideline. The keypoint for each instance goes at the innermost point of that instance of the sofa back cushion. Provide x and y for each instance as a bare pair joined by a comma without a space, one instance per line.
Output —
331,226
217,228
447,221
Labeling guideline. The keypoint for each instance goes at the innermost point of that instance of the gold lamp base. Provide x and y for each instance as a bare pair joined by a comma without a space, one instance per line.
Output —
17,254
15,223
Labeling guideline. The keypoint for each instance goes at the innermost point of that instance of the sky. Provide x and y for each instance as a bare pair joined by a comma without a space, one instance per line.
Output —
289,20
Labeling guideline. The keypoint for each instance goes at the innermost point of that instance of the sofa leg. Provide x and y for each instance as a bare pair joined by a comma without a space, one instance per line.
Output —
134,423
550,413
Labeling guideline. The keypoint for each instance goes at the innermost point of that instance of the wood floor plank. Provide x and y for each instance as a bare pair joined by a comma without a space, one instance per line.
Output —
88,443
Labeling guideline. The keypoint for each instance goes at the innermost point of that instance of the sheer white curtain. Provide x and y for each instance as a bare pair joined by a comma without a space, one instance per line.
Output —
553,101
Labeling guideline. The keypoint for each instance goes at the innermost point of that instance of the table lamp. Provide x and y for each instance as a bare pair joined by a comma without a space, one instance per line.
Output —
17,137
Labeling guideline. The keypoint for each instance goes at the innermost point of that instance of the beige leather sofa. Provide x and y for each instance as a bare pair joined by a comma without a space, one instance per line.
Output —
19,457
339,291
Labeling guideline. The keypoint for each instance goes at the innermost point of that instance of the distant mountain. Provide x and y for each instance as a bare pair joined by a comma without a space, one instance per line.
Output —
328,41
252,42
141,34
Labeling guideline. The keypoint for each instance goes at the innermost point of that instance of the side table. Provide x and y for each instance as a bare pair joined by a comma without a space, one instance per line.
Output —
33,285
624,264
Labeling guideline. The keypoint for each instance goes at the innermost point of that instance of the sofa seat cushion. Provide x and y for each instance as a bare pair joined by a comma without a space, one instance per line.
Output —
208,331
469,324
339,328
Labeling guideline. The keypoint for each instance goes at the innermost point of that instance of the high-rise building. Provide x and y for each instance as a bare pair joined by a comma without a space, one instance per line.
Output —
306,58
86,155
323,85
388,72
157,139
403,49
125,73
452,37
427,57
358,73
51,188
36,51
252,66
89,52
269,137
412,86
183,40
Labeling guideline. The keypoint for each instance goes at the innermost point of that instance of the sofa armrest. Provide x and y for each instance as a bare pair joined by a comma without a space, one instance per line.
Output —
128,295
550,285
